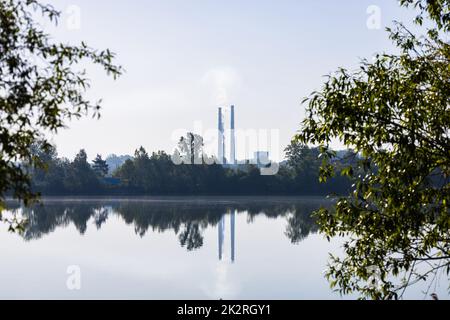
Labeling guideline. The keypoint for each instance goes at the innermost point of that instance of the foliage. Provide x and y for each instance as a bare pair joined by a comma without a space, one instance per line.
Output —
157,174
190,149
394,112
100,166
306,165
114,161
438,11
61,176
41,87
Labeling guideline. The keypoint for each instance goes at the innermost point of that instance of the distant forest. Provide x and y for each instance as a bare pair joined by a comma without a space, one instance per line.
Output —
156,174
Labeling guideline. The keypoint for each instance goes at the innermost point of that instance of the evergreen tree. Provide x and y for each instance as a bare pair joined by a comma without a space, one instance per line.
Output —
100,166
81,178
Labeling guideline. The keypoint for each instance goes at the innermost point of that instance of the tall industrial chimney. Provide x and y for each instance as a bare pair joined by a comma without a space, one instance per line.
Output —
233,139
221,139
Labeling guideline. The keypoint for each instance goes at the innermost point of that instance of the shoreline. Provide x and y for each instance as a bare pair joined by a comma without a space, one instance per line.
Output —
172,199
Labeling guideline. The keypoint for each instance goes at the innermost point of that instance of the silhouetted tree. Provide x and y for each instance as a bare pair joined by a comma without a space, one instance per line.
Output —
394,112
190,149
100,166
81,178
42,86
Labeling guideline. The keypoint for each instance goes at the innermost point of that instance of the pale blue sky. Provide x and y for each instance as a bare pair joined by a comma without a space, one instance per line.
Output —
184,58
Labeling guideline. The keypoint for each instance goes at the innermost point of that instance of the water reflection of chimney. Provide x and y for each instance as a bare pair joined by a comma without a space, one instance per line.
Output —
233,234
221,236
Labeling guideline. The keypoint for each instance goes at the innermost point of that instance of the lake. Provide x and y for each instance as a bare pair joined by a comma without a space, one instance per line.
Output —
168,248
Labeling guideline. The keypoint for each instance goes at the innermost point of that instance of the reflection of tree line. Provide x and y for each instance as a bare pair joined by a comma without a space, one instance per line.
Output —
187,220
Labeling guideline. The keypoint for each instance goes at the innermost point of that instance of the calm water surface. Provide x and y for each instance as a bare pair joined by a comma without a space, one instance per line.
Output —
169,248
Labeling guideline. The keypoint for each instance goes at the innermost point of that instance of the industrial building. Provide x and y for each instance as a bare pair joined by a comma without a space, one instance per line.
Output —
261,158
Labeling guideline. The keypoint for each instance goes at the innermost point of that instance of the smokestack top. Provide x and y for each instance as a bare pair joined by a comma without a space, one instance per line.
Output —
232,118
221,139
233,138
221,126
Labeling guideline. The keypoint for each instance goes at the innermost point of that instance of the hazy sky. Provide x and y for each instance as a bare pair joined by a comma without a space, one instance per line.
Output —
184,58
